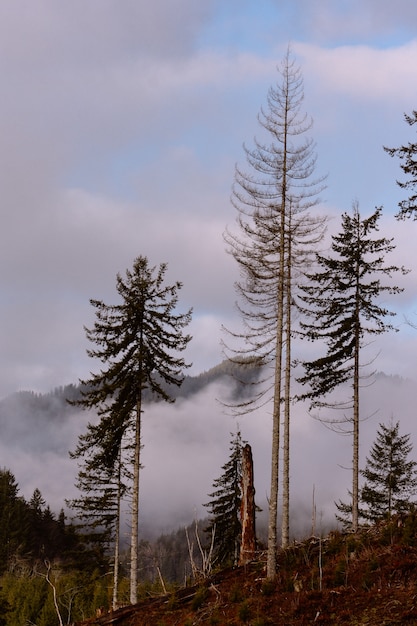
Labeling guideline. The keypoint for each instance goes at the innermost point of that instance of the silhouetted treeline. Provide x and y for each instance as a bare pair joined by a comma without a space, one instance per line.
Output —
31,534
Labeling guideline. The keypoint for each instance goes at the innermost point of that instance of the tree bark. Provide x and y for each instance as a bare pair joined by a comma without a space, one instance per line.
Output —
248,542
134,541
285,527
355,477
117,536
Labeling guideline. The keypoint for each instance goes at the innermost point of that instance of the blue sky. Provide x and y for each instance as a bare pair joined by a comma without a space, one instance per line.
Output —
121,124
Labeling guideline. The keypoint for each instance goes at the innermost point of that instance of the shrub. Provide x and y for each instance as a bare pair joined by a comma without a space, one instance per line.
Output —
199,598
245,612
236,594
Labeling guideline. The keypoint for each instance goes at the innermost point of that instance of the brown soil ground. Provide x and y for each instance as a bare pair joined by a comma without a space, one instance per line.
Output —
369,578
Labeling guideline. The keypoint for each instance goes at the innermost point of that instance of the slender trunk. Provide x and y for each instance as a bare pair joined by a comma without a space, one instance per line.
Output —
355,485
313,513
117,536
276,419
276,416
273,498
285,529
134,542
355,480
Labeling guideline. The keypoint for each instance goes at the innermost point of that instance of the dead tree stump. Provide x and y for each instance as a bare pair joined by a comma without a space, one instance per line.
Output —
247,509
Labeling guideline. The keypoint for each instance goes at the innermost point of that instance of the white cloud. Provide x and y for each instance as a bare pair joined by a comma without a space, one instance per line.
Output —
119,137
363,73
380,21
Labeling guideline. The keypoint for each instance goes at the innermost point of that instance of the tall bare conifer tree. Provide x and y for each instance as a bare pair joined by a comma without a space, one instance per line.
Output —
274,238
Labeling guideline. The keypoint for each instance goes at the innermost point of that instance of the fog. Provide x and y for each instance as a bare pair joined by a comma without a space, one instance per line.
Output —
186,444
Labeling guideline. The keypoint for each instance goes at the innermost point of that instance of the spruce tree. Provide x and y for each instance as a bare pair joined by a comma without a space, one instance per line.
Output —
408,162
341,304
137,342
390,476
225,506
275,235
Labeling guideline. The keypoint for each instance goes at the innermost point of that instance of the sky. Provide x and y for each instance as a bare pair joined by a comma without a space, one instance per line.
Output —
121,124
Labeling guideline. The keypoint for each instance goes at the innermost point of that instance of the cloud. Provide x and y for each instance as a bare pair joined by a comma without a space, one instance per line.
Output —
359,20
187,443
120,129
362,72
99,32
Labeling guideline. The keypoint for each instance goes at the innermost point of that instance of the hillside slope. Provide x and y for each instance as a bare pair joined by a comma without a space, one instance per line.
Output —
367,578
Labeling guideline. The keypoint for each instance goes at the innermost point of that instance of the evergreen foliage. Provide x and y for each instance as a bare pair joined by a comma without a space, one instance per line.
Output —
408,162
30,533
225,506
30,536
341,303
136,341
341,300
390,477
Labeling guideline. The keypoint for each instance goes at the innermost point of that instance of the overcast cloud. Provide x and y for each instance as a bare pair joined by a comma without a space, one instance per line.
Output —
120,127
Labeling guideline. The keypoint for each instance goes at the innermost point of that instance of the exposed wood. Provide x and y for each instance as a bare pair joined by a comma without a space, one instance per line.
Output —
248,543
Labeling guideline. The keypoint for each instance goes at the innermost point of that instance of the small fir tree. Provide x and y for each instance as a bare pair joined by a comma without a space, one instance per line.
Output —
225,505
390,477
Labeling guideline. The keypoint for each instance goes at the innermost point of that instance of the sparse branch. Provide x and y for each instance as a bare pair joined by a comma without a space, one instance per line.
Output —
53,587
206,555
273,243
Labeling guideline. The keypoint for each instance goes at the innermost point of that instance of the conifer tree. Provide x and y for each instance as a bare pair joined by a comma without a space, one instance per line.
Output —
390,476
98,507
14,520
225,505
341,302
408,162
275,236
137,342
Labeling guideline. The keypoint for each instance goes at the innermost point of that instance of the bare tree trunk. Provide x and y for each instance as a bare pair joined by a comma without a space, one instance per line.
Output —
276,418
273,501
313,513
134,541
355,472
53,586
355,481
248,542
285,527
117,536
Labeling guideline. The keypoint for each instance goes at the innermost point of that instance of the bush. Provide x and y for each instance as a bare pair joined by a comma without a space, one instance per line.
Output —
245,612
236,594
199,598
